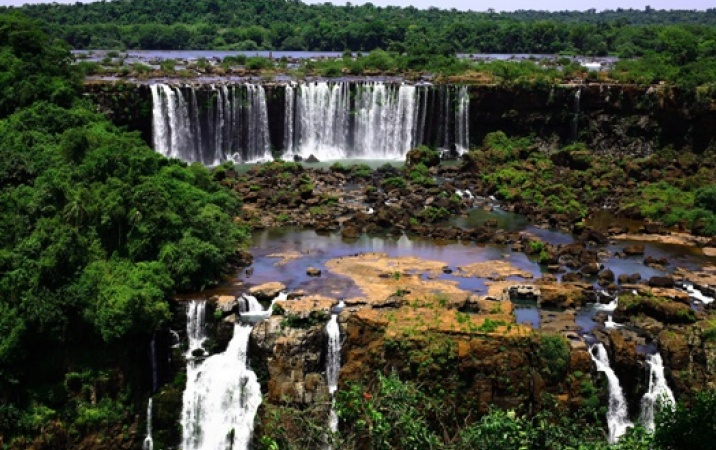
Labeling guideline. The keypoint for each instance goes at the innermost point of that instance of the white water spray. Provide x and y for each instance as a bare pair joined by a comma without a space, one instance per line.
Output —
221,397
617,413
462,121
211,126
376,121
333,367
148,443
697,294
659,394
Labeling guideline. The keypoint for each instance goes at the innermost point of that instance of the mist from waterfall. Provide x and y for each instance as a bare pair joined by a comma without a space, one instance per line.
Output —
659,394
617,412
211,126
222,393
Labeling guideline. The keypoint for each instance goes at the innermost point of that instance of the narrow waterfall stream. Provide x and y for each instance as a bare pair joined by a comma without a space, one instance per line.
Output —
148,443
462,121
659,394
617,414
222,393
333,366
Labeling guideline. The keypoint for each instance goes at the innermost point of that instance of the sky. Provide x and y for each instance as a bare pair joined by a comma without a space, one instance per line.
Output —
501,5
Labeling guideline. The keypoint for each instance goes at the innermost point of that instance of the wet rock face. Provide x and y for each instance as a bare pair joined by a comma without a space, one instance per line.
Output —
507,370
290,361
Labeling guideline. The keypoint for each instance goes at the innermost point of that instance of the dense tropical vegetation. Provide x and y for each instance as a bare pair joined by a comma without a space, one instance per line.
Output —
96,231
672,46
293,25
394,414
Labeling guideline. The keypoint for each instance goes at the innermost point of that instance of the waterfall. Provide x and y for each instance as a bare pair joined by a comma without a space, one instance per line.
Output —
462,121
148,443
221,398
659,394
333,361
289,113
617,414
375,121
211,126
195,325
333,366
575,117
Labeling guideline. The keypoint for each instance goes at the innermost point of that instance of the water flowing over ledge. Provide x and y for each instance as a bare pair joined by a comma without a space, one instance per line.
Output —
222,393
326,120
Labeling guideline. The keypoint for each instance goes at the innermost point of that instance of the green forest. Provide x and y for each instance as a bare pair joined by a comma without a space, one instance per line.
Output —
96,231
293,25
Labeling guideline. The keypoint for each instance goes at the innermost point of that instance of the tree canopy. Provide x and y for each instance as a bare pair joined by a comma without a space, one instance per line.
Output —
96,230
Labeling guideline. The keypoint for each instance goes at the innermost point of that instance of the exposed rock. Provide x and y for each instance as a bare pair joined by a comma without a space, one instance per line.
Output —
313,272
292,358
312,159
590,269
572,277
633,250
226,303
562,295
350,232
662,309
651,261
605,277
267,291
662,281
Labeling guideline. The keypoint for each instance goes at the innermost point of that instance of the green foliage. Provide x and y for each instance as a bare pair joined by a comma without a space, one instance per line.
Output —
296,321
394,183
554,353
490,325
391,416
32,66
706,198
432,214
684,427
97,230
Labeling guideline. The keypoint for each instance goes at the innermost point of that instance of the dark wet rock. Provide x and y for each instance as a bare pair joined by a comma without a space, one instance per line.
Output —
653,227
629,278
313,272
312,159
651,261
350,232
662,281
572,277
632,250
590,269
605,277
243,258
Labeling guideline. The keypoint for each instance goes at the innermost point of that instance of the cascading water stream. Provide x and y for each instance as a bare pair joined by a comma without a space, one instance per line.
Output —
575,117
462,121
148,443
659,394
617,413
212,125
374,121
222,395
333,366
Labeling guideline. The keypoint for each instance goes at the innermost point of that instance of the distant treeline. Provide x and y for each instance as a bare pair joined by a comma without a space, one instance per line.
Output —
292,25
